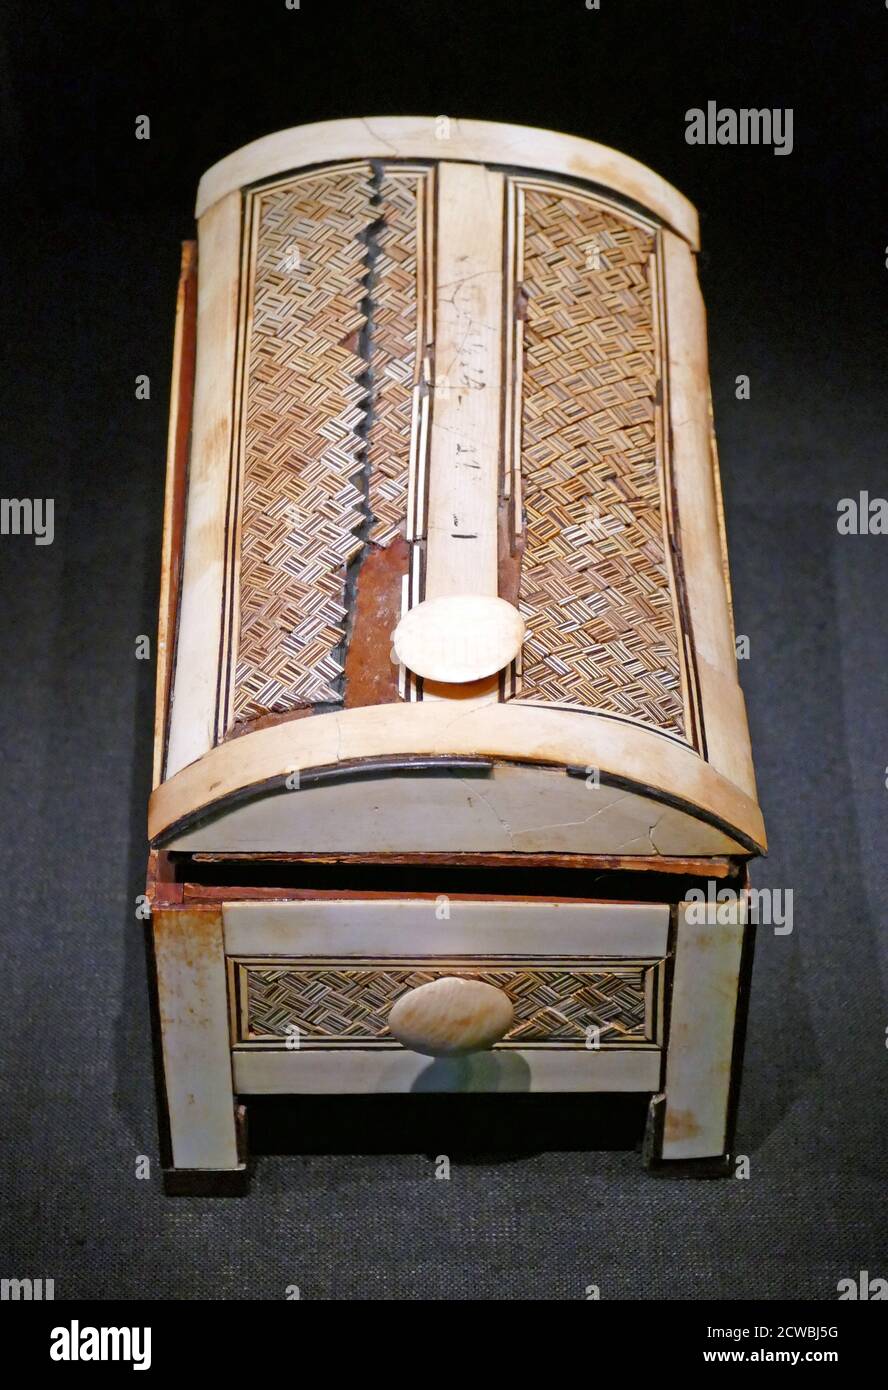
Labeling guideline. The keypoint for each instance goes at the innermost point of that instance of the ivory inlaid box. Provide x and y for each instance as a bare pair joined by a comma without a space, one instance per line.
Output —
449,737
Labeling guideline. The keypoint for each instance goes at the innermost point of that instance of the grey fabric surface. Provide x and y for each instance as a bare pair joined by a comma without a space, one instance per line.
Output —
549,1212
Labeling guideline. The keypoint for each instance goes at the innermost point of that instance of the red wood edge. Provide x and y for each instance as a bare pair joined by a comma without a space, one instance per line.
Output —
178,443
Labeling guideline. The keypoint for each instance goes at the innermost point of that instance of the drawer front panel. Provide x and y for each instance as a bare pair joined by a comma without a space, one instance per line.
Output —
336,1003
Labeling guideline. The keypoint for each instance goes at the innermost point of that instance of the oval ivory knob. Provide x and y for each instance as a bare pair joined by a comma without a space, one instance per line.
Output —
449,1017
459,637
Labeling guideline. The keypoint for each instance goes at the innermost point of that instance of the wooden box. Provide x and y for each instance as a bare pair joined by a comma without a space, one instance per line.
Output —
451,756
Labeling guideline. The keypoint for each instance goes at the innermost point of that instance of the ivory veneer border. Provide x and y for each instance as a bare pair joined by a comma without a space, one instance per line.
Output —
192,720
466,400
527,734
702,559
354,1071
345,927
416,137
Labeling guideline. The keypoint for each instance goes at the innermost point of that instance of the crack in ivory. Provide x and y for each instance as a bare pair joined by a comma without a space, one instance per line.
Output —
504,825
375,135
566,824
512,833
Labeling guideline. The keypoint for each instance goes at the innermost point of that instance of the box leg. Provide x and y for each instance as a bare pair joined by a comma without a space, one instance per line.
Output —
690,1123
202,1134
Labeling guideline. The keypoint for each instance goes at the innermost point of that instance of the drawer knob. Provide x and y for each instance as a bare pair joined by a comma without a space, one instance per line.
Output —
450,1016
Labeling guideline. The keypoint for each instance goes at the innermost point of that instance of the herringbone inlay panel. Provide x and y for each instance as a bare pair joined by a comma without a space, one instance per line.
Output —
396,285
303,404
595,589
351,1003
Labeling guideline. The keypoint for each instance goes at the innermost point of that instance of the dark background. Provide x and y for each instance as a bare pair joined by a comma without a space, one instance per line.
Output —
794,275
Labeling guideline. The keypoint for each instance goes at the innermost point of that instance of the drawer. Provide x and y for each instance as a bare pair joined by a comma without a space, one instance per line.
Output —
312,984
336,1003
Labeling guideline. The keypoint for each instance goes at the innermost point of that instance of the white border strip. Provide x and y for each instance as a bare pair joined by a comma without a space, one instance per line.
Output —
437,137
399,927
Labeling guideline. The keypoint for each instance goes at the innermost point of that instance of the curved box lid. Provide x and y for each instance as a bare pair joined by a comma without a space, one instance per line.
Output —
434,364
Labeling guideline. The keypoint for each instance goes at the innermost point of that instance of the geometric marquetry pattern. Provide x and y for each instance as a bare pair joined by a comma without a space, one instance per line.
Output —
393,336
303,403
594,581
350,1003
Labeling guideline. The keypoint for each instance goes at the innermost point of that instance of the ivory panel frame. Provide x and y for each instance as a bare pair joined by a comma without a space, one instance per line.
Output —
727,745
192,720
633,755
363,1071
427,137
397,927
